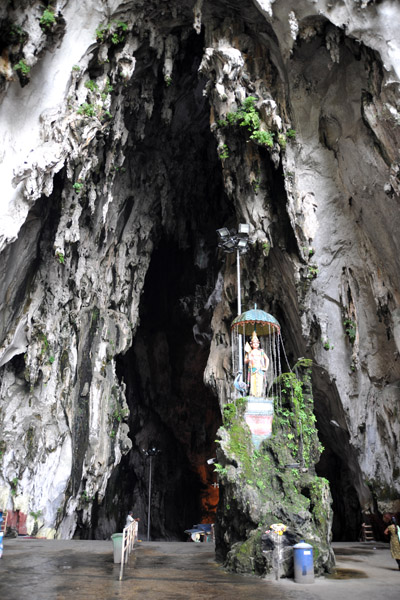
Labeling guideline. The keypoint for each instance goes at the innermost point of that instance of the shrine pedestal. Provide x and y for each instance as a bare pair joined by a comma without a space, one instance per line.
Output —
258,416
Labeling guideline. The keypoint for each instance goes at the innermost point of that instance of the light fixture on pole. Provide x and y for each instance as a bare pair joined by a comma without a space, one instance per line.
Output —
231,241
149,453
264,332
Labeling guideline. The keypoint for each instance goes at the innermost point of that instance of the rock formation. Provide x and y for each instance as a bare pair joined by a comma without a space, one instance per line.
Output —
128,137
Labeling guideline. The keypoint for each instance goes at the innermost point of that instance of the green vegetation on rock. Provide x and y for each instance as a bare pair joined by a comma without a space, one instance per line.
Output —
223,152
351,329
48,19
115,32
248,116
22,67
276,483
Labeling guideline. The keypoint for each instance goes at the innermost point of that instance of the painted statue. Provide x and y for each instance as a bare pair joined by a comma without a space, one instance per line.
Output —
257,362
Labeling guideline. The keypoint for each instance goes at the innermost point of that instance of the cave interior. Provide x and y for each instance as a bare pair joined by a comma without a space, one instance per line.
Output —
171,408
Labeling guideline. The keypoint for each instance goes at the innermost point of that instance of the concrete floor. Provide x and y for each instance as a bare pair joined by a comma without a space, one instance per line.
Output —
84,570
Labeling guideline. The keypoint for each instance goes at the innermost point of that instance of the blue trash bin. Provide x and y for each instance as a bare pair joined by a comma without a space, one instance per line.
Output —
303,563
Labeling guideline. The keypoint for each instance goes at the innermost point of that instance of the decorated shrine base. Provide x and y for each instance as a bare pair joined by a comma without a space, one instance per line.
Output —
259,415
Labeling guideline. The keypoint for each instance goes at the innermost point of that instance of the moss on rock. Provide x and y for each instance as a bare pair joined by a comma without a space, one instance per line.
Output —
262,487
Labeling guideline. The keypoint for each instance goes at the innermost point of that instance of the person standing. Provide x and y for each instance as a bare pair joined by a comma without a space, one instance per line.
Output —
129,518
394,531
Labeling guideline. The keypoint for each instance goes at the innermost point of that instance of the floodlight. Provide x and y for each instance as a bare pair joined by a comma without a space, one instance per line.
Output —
223,232
244,229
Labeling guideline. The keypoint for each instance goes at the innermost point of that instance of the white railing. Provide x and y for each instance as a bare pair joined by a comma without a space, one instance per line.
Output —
129,536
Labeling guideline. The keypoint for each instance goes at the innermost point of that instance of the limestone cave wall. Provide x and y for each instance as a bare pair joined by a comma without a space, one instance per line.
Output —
119,159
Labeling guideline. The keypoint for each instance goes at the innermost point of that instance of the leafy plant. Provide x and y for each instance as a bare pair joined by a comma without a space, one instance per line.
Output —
60,257
296,419
47,19
266,246
168,80
101,33
85,496
351,329
13,484
45,342
91,85
36,514
291,133
327,345
255,183
108,88
119,35
247,116
229,412
76,68
282,140
89,110
117,414
16,34
95,316
263,137
261,484
223,152
120,414
23,67
312,272
115,31
222,471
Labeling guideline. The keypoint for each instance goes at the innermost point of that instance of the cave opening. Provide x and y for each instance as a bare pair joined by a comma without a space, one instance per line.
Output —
176,169
171,408
338,463
347,517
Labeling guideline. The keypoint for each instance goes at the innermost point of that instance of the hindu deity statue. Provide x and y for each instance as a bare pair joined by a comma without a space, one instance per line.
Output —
257,362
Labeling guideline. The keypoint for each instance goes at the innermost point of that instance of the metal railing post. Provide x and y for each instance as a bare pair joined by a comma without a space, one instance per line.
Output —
129,535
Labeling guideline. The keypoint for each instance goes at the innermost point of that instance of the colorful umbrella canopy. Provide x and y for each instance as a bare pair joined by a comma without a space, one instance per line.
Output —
258,320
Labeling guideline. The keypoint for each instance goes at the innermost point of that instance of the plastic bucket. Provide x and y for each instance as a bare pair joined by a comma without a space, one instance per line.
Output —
117,544
303,563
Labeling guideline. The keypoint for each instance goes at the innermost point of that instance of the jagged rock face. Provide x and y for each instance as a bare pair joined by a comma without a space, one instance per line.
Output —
273,485
115,312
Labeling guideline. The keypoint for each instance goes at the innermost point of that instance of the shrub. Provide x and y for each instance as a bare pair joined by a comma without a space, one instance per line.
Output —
23,67
247,116
47,19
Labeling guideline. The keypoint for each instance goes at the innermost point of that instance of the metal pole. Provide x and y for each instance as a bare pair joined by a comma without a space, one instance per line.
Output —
148,512
239,305
239,301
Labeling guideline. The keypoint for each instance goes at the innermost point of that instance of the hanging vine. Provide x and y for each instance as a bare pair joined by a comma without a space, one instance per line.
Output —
294,419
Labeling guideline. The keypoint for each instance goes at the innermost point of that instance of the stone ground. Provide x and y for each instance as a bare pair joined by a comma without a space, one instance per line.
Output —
84,570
